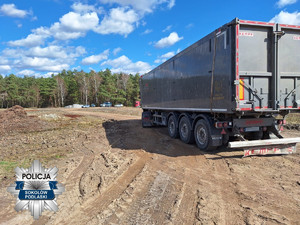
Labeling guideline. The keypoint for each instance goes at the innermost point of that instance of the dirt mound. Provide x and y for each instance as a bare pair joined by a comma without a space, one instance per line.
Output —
14,113
15,119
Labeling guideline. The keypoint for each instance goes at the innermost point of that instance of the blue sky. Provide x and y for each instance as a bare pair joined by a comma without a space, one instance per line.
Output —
42,37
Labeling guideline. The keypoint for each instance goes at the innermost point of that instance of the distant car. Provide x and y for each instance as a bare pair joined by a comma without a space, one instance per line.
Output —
93,105
85,106
137,104
119,105
106,104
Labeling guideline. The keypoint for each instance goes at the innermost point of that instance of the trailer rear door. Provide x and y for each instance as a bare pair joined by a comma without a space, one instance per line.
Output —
268,68
289,67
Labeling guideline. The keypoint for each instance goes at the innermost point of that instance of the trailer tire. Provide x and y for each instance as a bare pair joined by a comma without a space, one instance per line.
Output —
185,130
203,135
173,127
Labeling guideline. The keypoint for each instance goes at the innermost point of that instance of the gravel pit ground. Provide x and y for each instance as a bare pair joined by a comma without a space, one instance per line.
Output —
116,172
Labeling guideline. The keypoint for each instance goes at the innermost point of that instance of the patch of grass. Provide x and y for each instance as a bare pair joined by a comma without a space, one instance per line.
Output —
7,166
58,156
293,118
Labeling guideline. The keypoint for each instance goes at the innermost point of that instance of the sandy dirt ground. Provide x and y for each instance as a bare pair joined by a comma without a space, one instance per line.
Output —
116,172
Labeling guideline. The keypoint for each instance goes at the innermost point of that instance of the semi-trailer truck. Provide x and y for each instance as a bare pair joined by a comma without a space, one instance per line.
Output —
233,87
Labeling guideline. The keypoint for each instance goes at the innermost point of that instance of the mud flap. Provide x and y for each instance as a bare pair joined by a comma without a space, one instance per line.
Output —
216,140
147,119
216,137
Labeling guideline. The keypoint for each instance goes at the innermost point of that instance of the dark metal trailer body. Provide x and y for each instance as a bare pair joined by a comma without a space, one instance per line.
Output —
243,70
242,66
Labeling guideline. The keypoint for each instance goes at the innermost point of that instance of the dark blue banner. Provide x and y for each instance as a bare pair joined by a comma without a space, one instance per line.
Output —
36,195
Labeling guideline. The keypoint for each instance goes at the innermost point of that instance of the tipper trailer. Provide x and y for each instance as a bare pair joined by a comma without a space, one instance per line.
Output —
232,84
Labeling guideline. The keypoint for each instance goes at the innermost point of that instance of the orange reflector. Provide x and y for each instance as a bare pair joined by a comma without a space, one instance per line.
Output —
242,90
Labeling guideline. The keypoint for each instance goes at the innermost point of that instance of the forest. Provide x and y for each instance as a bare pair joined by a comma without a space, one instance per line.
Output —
69,87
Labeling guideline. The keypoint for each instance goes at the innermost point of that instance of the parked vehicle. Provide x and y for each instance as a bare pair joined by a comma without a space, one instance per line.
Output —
93,105
119,105
137,104
231,83
85,106
106,104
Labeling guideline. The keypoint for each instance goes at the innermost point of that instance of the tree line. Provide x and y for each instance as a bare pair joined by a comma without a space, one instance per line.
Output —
69,87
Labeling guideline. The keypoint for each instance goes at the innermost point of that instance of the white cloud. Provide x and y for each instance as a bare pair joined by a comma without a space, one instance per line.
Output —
171,4
12,11
282,3
26,72
49,74
167,28
287,18
94,59
75,22
168,41
53,51
119,21
59,33
189,26
124,64
142,6
3,60
71,26
84,18
147,31
5,68
76,68
30,41
79,7
117,50
164,57
41,64
53,58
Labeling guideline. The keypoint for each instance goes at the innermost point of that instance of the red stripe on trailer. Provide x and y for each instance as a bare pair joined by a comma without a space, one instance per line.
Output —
237,63
264,107
256,22
244,109
290,26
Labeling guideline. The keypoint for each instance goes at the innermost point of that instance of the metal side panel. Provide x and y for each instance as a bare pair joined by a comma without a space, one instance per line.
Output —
255,66
197,79
289,68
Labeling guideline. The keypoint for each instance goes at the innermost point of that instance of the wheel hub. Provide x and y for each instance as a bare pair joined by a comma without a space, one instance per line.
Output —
201,135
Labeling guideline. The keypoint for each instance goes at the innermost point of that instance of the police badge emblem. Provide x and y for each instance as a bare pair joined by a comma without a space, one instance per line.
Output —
36,189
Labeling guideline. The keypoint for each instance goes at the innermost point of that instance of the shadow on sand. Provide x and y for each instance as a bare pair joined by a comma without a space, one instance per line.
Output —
129,135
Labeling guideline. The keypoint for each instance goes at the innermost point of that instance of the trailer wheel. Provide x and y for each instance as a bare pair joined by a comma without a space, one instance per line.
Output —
185,130
172,127
202,135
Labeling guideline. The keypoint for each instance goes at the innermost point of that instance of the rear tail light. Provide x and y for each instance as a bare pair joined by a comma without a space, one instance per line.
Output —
218,125
222,124
242,129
